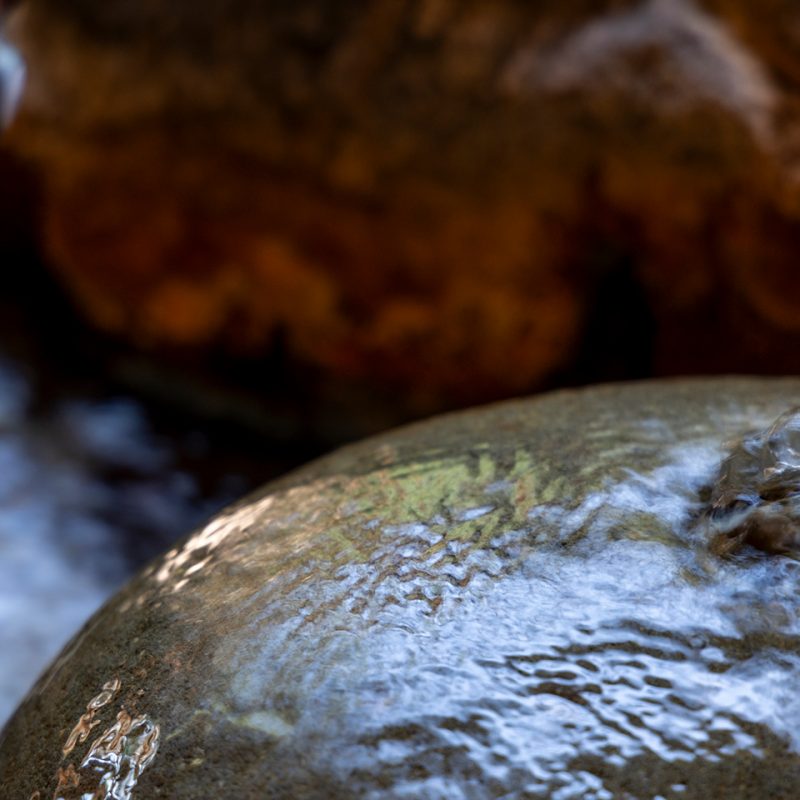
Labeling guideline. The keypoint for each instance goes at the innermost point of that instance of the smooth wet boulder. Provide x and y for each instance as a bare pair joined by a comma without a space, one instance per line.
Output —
520,601
449,198
92,486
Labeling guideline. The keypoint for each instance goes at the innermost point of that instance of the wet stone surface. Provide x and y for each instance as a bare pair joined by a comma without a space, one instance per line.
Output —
91,488
514,602
756,498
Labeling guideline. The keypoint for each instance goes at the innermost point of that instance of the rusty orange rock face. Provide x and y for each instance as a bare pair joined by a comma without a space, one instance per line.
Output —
426,195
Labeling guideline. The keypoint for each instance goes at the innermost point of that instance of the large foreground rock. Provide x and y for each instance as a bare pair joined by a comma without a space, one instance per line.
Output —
447,197
515,602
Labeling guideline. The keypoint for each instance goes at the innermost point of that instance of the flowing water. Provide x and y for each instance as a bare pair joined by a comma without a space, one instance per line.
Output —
522,602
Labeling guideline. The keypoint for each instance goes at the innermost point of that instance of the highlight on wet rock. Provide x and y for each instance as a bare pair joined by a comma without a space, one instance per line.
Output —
115,760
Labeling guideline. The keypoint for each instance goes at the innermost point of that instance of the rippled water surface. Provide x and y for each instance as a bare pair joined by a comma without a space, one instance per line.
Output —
574,654
520,603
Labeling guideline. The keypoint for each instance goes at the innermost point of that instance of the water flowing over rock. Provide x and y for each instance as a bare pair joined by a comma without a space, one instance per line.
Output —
756,499
511,602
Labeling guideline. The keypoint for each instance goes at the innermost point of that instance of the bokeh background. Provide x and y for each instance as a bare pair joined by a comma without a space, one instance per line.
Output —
235,234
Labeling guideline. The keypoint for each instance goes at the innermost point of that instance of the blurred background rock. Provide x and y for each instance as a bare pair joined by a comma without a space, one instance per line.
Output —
266,228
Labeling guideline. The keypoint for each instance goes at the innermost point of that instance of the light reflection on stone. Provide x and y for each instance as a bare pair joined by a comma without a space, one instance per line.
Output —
195,554
115,760
88,490
120,755
87,721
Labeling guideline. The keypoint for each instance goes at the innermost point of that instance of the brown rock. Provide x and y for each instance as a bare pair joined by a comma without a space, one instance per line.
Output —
425,195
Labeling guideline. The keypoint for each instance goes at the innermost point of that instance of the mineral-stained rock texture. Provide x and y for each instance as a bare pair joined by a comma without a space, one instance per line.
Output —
429,194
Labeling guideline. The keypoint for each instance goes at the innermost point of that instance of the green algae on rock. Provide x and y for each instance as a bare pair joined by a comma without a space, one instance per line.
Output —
510,602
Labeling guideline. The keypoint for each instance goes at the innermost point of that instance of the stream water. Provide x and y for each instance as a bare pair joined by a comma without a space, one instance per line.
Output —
95,478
